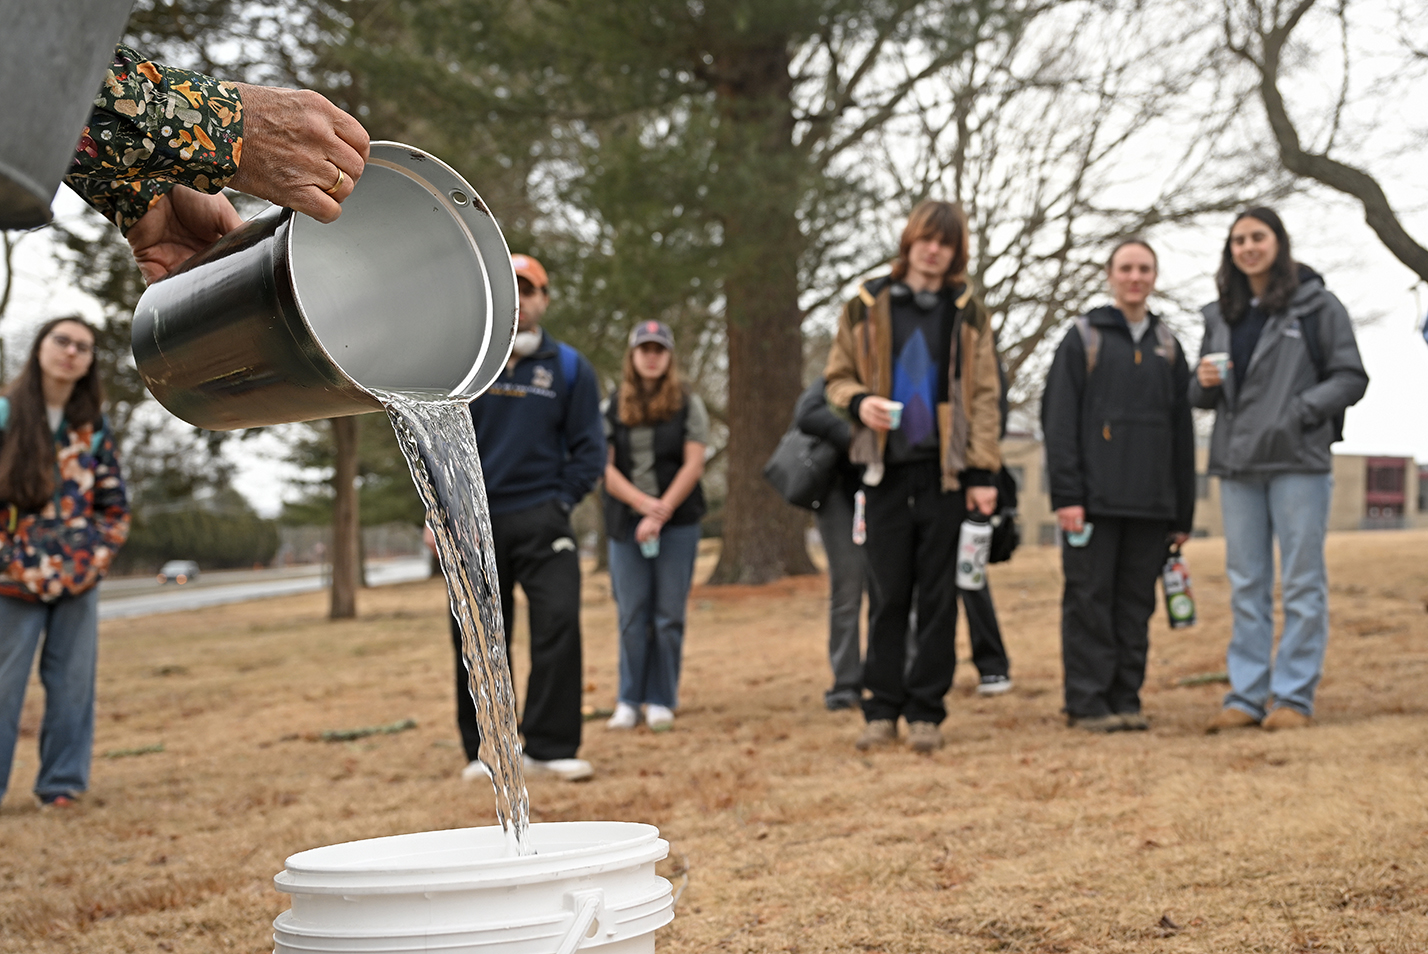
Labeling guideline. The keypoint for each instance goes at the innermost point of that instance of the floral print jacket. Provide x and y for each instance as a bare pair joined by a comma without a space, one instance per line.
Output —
152,127
66,547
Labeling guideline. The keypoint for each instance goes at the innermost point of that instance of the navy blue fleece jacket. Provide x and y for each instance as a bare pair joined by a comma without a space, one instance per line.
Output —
540,435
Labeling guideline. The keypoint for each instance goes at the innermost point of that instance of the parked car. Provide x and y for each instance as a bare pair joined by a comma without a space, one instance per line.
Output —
178,571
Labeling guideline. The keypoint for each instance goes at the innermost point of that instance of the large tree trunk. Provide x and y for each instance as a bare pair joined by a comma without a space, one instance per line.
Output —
763,536
345,532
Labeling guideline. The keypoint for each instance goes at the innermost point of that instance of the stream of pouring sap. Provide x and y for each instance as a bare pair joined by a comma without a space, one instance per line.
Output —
440,446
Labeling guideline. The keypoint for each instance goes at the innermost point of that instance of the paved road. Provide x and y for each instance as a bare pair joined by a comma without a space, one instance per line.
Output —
119,599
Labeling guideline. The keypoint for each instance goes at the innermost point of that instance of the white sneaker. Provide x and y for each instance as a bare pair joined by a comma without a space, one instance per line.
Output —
626,717
475,770
570,770
659,718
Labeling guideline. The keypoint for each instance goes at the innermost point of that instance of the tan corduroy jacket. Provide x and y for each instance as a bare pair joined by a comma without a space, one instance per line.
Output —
860,362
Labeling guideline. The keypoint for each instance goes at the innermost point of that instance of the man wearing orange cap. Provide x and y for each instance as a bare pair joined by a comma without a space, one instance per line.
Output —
542,450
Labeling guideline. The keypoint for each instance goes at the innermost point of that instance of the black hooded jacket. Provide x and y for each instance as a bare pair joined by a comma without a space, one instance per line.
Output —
1120,442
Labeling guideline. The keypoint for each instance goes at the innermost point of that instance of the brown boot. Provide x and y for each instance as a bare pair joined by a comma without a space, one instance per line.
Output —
1230,718
924,737
1100,723
1286,717
876,734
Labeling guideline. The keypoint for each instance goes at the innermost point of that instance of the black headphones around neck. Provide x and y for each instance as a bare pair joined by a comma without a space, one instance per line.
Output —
924,300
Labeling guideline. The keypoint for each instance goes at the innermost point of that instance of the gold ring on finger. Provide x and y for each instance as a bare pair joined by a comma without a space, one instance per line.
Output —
341,178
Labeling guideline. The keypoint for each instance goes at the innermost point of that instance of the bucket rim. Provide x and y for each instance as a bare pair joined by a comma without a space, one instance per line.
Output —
477,226
438,861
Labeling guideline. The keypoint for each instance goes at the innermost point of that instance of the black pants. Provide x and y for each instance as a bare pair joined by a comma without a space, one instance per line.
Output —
911,546
988,653
536,548
1105,610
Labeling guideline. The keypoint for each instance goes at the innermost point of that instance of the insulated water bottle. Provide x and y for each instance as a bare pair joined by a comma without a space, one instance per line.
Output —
973,546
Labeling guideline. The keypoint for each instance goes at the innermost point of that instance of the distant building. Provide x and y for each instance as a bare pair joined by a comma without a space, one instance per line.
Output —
1370,493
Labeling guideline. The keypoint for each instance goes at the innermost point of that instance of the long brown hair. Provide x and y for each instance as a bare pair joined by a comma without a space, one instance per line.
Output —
1233,285
642,406
27,455
943,220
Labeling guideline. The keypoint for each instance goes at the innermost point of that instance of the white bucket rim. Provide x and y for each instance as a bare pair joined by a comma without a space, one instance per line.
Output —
448,860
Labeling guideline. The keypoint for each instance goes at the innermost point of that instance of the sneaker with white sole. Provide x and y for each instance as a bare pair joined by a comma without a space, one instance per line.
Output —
474,770
994,685
626,717
569,770
659,718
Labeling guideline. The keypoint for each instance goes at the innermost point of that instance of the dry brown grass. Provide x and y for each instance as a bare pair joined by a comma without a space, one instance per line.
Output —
1020,836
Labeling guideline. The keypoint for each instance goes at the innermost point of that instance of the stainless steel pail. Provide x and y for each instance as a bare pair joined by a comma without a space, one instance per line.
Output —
53,53
287,319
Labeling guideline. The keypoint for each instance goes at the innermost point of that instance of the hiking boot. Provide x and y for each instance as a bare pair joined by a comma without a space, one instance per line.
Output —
994,685
1133,721
924,737
568,770
626,717
876,734
659,718
1286,717
476,769
1230,718
1100,723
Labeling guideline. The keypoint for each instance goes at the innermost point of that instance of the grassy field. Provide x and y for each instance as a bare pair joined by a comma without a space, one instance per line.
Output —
1021,835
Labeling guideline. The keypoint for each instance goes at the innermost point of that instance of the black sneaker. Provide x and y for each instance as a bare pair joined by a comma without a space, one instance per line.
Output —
839,701
994,685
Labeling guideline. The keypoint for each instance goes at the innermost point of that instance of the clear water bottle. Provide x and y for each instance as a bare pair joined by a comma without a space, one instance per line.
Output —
860,518
973,546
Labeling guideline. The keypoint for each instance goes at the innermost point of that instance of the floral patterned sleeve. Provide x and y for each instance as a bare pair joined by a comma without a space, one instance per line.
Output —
153,127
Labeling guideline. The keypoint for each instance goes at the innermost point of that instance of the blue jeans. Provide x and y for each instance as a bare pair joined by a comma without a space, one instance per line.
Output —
1293,509
651,595
67,661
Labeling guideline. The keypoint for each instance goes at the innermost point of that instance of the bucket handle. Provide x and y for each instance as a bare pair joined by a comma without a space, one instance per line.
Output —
587,906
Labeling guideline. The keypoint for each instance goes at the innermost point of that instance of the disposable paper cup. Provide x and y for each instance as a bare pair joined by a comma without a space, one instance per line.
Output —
1221,360
895,412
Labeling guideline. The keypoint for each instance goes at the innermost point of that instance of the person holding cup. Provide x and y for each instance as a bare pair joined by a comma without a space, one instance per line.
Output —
1120,456
1278,365
657,430
915,368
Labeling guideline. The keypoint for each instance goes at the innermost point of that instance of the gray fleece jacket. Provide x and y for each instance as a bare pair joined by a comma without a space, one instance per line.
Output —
1281,419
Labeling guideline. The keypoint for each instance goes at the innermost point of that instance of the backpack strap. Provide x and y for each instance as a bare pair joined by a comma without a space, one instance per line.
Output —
1090,340
1166,339
569,364
1309,327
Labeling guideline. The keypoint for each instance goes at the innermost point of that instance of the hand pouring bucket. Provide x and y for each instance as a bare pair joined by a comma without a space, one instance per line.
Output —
590,886
286,319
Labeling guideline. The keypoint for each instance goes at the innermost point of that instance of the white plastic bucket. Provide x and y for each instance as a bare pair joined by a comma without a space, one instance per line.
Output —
590,885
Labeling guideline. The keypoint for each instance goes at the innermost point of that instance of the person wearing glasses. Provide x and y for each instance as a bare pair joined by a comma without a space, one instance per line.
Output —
63,516
542,448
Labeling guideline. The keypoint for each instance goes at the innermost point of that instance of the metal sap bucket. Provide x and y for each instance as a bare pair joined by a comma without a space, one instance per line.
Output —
53,54
286,319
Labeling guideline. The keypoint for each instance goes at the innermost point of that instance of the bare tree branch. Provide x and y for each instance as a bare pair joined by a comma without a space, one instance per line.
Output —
1271,39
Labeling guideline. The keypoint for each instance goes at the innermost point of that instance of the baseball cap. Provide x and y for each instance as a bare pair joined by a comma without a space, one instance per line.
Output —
656,331
531,270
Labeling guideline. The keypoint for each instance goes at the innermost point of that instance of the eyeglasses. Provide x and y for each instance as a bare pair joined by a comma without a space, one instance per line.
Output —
65,342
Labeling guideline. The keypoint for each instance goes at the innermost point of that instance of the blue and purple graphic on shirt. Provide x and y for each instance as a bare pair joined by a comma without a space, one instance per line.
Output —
915,386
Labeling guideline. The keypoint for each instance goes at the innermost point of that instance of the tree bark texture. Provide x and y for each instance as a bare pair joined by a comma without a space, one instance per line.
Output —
346,554
760,173
1339,176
